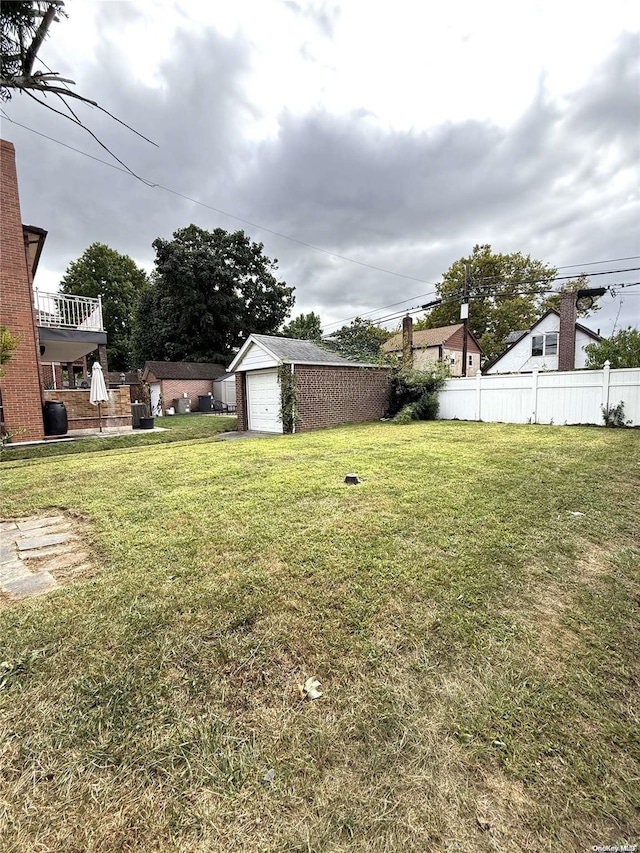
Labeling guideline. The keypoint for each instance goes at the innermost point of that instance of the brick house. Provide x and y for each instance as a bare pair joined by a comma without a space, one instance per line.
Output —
53,329
444,343
330,390
171,380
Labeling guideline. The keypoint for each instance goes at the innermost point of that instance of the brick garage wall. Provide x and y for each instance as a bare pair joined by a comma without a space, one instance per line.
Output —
82,415
174,388
329,396
21,386
241,401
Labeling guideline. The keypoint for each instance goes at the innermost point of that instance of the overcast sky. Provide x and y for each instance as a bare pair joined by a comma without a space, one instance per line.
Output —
394,134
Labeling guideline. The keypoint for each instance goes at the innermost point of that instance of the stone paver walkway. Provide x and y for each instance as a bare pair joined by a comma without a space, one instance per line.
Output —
38,554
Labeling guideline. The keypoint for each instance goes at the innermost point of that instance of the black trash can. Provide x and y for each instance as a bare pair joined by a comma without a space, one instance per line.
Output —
55,418
205,403
137,412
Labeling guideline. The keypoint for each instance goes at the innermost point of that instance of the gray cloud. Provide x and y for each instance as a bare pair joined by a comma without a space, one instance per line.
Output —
550,185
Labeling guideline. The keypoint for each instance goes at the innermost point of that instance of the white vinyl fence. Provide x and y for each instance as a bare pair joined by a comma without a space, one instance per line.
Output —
572,397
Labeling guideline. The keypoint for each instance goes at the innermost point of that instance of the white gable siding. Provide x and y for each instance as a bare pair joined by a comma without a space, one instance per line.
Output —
582,339
255,358
520,360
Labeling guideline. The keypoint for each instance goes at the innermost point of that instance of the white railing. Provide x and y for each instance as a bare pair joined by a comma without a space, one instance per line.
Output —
65,311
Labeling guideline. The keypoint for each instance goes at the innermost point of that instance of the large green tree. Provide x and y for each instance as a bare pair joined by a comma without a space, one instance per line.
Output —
505,294
209,291
304,327
103,272
621,349
360,340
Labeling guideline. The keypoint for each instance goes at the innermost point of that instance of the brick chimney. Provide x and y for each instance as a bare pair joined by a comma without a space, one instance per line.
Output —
407,341
567,336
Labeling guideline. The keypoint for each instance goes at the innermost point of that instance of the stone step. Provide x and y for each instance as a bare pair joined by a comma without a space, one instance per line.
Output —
32,584
34,542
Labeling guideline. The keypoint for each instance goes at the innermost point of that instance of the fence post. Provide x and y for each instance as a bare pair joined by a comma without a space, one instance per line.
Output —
478,395
606,378
534,396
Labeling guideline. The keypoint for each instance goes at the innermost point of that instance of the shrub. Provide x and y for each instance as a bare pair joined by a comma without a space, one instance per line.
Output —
413,393
613,416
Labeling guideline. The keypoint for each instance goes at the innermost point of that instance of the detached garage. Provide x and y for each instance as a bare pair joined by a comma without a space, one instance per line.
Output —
327,389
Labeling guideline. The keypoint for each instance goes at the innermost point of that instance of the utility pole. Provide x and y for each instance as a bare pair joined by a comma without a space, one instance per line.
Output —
464,316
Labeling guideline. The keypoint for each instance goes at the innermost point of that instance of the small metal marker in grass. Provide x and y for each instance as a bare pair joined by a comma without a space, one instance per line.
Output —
352,480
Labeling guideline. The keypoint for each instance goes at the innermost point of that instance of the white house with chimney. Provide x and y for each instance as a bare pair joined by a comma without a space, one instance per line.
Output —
554,342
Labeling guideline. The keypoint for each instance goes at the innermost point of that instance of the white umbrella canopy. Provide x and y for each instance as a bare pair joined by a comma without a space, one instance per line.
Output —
98,393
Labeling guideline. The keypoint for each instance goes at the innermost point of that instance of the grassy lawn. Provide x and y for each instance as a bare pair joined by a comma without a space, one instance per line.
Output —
477,644
176,428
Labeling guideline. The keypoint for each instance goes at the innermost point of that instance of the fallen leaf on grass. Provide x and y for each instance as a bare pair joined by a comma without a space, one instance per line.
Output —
309,690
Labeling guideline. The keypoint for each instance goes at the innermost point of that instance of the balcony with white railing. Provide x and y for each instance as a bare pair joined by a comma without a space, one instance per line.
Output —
65,311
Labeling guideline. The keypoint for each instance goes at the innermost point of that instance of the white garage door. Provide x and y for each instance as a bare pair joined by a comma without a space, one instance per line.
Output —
263,401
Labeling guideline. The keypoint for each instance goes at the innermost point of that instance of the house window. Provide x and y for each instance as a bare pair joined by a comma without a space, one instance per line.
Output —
544,344
537,344
470,361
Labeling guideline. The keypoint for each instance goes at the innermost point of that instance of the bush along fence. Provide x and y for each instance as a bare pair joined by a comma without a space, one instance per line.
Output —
413,394
571,397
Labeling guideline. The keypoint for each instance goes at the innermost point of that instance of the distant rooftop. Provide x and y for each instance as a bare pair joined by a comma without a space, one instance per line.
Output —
183,370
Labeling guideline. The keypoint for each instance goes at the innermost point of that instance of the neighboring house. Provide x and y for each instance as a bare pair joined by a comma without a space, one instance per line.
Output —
539,348
53,328
427,347
180,380
330,390
224,389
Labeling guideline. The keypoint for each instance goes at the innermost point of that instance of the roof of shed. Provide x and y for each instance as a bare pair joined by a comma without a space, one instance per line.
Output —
294,351
183,370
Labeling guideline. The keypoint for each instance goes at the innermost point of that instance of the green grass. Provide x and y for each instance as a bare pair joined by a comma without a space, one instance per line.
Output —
477,646
176,428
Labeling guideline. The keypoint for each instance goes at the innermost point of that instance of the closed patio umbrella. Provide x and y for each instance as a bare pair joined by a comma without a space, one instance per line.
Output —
98,393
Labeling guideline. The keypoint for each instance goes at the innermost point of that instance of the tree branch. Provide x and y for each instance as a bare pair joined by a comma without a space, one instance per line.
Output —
90,132
41,32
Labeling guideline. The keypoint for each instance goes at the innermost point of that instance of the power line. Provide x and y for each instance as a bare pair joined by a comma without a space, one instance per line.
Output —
448,300
154,185
454,299
593,263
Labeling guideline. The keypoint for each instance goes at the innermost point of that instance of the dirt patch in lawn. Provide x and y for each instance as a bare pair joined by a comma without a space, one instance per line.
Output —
41,553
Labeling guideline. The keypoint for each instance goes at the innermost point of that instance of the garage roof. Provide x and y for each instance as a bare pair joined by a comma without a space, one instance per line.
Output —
293,351
182,370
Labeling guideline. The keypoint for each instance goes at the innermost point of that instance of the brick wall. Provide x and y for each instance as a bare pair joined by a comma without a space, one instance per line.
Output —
328,396
241,402
174,388
83,415
21,386
47,376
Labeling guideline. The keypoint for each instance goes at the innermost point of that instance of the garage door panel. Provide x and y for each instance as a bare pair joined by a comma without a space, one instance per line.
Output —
263,401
